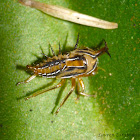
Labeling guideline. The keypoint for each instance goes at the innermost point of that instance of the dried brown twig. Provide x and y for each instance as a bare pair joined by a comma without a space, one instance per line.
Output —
69,15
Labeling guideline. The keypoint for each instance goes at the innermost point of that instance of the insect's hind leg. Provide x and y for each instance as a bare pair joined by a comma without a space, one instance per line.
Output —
46,90
27,80
83,88
71,90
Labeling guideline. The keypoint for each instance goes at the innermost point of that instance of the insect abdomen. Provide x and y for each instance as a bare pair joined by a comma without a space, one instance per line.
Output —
60,67
50,68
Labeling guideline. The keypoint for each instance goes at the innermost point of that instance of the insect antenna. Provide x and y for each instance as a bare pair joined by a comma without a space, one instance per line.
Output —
76,45
52,50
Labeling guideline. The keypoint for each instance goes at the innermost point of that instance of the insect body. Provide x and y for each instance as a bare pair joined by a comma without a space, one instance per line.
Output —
74,65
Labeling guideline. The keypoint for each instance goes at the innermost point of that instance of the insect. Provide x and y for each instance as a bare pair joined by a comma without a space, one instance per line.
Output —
74,65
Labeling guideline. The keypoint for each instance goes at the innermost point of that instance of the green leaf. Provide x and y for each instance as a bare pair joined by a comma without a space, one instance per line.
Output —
112,114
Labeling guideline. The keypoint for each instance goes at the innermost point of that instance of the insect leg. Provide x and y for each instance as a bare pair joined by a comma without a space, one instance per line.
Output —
102,69
76,45
27,80
72,88
46,90
52,50
83,88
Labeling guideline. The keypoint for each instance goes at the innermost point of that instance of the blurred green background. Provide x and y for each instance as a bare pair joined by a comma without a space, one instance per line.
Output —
112,114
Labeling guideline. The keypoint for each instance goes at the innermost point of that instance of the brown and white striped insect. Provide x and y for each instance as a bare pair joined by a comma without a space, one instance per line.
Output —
74,65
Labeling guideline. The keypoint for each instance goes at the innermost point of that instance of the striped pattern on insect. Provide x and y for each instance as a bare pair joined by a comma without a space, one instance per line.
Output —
74,65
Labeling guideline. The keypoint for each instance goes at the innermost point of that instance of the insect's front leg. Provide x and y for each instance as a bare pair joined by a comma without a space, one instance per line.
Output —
27,80
46,90
83,88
